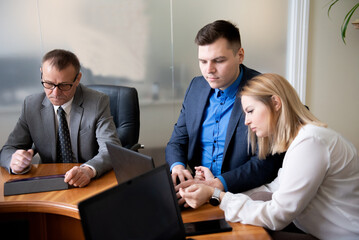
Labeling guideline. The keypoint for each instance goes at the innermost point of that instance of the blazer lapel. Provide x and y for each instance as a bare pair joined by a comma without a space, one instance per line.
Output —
237,112
47,115
200,105
76,116
233,122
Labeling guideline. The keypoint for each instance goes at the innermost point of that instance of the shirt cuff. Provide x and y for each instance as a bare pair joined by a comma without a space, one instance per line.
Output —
23,172
93,169
177,163
223,183
224,202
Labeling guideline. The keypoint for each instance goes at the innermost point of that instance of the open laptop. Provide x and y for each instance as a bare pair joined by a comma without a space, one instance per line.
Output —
127,163
144,207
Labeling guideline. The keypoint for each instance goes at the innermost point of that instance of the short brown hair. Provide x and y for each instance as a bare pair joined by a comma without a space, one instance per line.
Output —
61,59
219,29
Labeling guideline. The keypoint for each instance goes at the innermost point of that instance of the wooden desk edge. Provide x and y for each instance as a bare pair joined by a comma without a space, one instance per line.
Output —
24,203
63,209
52,205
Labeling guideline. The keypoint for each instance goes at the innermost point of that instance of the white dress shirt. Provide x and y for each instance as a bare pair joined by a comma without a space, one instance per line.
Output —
67,108
317,188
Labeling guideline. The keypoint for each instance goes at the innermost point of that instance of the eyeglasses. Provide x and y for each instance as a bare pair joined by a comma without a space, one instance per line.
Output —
61,86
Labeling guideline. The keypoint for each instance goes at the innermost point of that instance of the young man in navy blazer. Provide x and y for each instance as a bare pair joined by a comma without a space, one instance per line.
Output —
210,130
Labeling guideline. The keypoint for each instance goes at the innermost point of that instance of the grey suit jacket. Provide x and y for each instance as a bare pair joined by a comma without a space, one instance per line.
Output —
91,125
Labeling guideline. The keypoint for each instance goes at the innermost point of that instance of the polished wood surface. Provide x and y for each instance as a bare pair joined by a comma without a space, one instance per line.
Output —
56,212
240,231
62,202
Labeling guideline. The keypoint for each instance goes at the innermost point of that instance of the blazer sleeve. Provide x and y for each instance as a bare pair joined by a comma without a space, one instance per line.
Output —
254,173
19,138
177,147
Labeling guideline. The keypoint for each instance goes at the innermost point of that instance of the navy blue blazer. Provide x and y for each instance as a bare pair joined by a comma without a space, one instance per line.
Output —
240,169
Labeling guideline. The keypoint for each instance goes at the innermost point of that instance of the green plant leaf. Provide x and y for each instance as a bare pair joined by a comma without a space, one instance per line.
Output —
331,5
347,20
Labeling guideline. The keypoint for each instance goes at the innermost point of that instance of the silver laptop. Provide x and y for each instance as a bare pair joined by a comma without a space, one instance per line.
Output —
128,164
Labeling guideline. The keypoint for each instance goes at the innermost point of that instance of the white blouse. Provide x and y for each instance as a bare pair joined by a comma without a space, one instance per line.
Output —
317,188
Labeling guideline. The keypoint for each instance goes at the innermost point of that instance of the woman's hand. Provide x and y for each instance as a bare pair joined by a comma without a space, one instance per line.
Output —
196,195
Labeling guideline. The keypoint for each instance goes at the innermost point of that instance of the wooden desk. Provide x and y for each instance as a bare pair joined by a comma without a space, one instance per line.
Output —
54,215
240,231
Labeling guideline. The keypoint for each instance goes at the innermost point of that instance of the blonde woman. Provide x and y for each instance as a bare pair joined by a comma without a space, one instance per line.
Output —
317,187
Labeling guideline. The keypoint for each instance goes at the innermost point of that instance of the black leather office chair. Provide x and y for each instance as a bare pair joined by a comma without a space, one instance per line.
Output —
125,111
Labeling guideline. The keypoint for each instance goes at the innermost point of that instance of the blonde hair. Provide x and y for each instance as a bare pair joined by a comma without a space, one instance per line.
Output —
284,125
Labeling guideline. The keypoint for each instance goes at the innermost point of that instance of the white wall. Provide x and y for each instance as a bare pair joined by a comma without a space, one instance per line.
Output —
332,77
137,43
333,69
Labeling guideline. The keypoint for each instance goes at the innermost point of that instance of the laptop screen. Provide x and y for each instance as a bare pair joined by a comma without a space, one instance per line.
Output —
142,208
128,164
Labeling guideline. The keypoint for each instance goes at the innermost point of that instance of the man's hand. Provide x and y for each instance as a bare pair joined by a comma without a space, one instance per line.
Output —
188,180
179,172
20,160
214,183
79,176
203,173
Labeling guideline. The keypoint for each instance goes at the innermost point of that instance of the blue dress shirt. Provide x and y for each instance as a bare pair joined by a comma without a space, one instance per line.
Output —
214,127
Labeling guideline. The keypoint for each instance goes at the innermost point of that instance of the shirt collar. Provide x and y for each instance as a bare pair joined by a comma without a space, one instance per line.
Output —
66,106
231,91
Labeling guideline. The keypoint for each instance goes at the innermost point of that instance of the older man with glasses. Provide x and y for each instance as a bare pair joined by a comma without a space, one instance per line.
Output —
67,123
